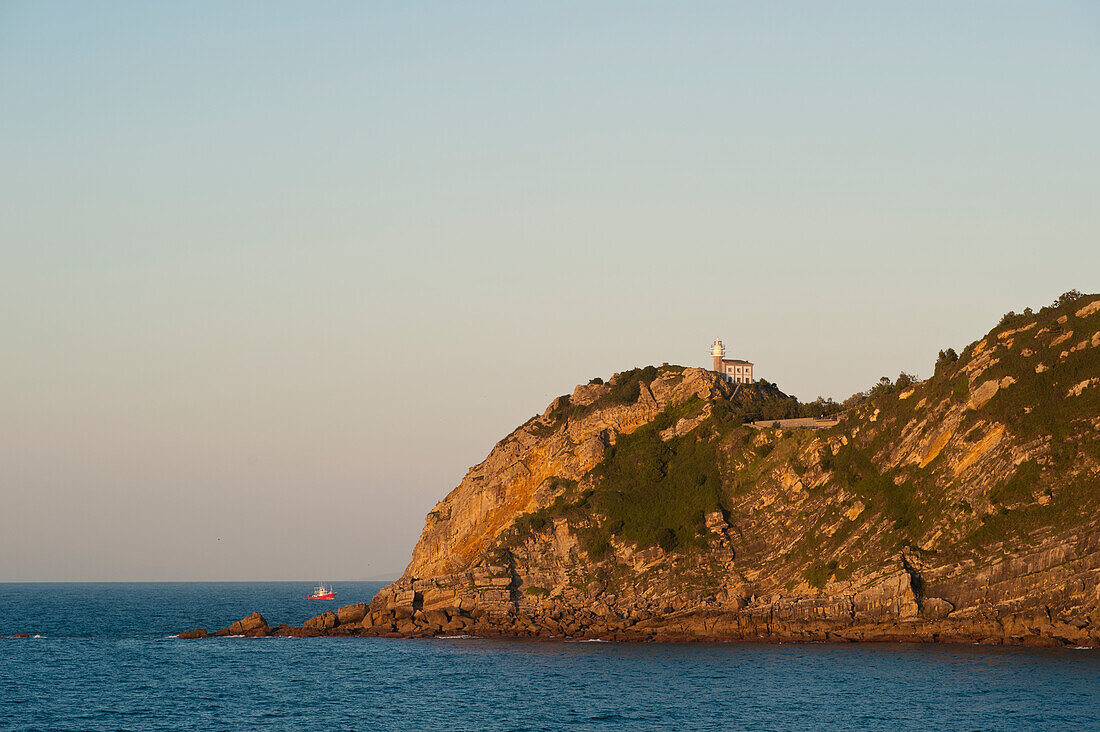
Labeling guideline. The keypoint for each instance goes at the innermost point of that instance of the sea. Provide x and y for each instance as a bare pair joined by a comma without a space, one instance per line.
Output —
105,658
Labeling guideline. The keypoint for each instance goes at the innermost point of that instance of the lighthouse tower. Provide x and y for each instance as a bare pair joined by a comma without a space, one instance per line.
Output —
718,352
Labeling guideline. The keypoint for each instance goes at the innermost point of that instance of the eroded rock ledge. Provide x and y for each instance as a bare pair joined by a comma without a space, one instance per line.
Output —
889,611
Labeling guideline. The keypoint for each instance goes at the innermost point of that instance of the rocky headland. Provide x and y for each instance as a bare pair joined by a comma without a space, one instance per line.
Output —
962,508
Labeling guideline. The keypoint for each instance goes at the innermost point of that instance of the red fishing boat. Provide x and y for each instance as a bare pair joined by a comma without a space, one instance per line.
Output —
320,592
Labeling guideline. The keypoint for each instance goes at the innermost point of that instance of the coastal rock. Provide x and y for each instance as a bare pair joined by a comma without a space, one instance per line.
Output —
324,621
287,631
936,608
436,618
251,624
350,614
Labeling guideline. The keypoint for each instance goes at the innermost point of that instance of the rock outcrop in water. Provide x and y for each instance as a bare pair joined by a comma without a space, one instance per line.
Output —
961,508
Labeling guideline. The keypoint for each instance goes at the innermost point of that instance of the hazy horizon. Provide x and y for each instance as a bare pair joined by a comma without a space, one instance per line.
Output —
273,276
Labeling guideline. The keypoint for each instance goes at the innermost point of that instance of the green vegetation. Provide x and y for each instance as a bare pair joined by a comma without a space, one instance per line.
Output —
625,389
819,408
1035,403
647,491
1075,498
960,389
1066,298
946,359
656,493
885,386
1065,301
536,591
764,402
1038,404
1019,487
596,543
853,468
817,575
882,388
561,411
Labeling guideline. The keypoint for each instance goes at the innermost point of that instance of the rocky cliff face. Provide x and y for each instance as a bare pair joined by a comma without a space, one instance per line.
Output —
963,507
526,470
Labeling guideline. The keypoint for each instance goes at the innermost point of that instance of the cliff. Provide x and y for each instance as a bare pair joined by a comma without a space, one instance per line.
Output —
960,508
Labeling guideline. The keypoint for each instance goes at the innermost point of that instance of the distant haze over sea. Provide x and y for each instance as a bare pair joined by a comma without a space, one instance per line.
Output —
273,277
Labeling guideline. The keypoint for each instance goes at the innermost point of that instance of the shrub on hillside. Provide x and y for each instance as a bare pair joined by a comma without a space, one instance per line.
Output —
946,358
1066,298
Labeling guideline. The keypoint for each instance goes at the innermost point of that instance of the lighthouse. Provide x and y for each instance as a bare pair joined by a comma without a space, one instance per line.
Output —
733,370
717,352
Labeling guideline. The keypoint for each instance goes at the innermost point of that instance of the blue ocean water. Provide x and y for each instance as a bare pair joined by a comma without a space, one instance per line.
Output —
107,662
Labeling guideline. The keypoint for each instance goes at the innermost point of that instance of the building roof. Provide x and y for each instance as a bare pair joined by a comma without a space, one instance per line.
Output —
736,360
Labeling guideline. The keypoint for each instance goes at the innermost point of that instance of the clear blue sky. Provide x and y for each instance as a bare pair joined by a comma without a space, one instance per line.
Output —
272,276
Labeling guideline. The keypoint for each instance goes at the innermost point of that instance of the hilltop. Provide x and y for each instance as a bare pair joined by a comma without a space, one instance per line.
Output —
960,508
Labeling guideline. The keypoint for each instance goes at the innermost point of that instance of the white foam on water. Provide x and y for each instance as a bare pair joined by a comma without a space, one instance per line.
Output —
454,637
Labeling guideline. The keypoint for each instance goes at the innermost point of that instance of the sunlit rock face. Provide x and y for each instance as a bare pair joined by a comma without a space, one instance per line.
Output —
962,507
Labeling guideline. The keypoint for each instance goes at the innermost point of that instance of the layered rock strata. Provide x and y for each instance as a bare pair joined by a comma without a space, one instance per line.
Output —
962,508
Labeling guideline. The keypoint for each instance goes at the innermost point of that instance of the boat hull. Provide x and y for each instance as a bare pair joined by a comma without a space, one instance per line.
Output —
326,596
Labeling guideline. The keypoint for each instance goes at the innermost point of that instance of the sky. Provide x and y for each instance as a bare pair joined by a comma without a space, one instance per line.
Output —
274,275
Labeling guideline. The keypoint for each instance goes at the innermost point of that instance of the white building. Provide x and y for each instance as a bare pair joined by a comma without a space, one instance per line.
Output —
735,370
